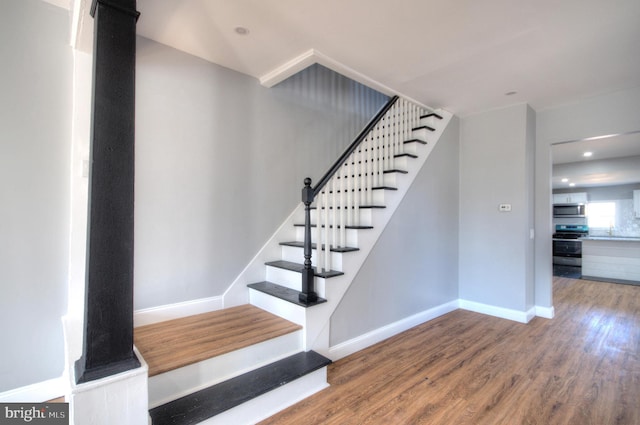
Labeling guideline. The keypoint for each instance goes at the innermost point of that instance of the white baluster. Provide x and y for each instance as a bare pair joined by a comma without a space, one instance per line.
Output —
343,201
370,168
394,136
334,212
374,140
327,253
358,188
318,232
381,152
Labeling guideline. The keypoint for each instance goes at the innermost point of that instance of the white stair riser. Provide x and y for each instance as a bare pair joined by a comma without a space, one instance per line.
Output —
296,255
422,134
270,403
431,121
393,179
289,311
415,148
401,162
351,235
185,380
378,196
291,279
364,216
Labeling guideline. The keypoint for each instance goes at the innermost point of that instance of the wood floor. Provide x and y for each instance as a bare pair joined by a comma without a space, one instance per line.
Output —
175,343
582,368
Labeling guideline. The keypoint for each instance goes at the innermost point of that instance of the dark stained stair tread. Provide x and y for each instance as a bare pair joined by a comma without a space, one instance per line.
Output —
424,127
299,244
219,398
395,170
410,155
432,114
295,267
283,293
359,206
373,188
422,142
331,226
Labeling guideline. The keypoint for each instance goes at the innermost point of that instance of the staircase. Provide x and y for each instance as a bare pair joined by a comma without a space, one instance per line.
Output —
268,348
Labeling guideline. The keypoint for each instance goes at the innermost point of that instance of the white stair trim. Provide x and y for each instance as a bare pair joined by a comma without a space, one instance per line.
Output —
148,316
177,383
272,402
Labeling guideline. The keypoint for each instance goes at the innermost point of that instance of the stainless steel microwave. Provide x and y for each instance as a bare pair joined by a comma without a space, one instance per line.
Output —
569,210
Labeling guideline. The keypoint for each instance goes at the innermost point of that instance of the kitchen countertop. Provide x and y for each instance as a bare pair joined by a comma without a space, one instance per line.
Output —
611,238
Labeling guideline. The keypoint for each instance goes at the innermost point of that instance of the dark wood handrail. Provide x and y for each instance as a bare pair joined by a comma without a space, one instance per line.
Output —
336,166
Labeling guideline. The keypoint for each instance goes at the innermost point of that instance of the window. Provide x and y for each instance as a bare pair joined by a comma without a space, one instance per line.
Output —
601,215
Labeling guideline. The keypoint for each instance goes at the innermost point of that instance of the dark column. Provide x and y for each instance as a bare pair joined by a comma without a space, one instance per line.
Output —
108,327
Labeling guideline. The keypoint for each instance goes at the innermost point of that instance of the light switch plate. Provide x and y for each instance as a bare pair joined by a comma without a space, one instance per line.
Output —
505,207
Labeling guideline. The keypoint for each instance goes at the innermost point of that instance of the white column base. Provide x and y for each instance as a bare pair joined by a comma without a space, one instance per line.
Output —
119,399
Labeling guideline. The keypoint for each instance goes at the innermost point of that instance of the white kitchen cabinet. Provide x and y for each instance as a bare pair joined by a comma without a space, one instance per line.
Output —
636,203
570,198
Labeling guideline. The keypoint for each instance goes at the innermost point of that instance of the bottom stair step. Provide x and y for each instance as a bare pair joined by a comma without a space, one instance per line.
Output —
283,293
209,402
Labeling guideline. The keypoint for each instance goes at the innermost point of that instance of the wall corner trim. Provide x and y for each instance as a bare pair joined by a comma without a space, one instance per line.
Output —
501,312
161,313
373,337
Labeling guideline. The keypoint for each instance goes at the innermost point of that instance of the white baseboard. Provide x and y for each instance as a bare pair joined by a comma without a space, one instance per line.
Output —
546,312
373,337
503,313
161,313
38,392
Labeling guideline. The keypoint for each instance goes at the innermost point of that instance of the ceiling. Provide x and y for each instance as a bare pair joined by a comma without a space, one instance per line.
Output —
614,160
466,56
461,55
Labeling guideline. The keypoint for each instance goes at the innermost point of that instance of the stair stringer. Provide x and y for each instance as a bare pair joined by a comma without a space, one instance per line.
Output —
316,320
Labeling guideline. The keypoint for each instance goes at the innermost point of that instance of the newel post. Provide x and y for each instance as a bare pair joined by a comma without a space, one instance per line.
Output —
308,294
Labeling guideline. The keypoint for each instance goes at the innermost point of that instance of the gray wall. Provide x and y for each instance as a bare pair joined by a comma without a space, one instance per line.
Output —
35,122
496,149
414,265
612,113
220,162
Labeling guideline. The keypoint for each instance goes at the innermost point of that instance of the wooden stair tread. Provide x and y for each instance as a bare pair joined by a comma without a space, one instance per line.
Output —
338,227
284,293
295,267
180,342
422,142
432,114
298,244
424,127
206,403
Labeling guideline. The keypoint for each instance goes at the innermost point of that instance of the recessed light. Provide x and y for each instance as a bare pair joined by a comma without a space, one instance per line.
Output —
241,30
565,180
510,93
587,154
572,184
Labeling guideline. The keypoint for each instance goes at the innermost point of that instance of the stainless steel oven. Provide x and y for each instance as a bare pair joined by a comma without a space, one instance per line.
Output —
567,250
